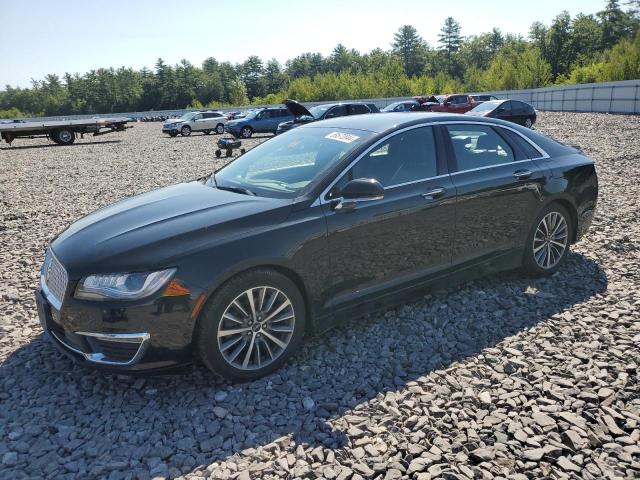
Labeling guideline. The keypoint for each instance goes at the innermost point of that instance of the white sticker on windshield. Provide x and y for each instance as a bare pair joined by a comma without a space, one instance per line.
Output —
342,137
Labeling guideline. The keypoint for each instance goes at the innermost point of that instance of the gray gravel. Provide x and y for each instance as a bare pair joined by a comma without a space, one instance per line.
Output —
505,377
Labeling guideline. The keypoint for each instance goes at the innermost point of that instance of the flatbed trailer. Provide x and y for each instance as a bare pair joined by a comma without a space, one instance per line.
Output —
62,132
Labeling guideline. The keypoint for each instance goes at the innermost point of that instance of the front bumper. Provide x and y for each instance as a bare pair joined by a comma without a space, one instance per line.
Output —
143,338
169,130
233,130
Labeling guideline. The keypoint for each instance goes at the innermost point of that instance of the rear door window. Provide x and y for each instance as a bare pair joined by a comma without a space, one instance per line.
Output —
478,146
358,109
526,150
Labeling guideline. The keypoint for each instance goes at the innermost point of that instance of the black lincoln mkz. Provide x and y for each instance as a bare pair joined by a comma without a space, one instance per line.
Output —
327,221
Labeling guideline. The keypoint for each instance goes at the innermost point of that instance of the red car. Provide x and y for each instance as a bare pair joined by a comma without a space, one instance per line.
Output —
453,104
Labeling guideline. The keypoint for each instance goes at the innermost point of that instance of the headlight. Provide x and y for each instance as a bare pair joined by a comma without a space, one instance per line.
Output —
122,286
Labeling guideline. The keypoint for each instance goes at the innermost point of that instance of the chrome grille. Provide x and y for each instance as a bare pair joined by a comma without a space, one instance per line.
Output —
54,276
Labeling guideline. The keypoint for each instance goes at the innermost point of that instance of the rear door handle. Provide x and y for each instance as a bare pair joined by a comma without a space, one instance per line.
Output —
433,194
522,174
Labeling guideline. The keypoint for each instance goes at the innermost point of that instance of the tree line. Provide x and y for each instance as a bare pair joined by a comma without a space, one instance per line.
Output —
582,49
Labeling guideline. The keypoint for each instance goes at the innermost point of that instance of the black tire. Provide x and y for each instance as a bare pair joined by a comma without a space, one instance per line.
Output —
209,321
246,132
229,152
528,122
63,136
218,153
207,132
220,129
529,263
173,133
185,131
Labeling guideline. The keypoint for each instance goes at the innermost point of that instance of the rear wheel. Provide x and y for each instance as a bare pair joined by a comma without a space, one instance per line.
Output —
220,129
63,136
185,131
548,242
251,325
528,123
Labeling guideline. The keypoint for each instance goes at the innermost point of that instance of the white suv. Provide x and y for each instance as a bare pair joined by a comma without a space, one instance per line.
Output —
206,122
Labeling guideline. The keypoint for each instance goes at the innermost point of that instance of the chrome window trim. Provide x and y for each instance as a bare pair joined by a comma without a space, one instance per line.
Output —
543,155
540,150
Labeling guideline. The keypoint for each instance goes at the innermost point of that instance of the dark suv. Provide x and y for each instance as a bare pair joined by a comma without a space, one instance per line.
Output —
321,112
263,120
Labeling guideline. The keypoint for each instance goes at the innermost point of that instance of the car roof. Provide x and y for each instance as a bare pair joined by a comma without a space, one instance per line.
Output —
385,122
342,103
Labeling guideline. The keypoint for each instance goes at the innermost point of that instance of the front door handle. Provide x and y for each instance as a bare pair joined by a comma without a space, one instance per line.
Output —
522,174
433,194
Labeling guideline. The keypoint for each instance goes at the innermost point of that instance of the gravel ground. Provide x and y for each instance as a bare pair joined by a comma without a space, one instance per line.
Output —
505,377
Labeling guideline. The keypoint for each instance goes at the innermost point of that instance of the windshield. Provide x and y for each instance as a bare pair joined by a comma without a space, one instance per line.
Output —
284,165
389,108
188,115
441,98
318,111
486,106
252,114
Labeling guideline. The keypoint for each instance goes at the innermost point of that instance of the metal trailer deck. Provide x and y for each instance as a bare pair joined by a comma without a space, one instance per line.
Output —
62,132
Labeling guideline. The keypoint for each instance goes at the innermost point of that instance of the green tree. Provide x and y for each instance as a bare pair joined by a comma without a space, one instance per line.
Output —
238,93
615,23
450,41
586,39
533,69
559,45
253,76
410,48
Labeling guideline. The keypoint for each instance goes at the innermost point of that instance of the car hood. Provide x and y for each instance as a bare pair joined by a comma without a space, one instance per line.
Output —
157,228
174,120
297,109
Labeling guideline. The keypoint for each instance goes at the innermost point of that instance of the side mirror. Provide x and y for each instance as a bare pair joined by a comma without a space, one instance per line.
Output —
359,190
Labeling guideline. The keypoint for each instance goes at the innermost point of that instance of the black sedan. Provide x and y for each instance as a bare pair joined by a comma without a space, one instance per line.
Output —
322,112
510,110
331,220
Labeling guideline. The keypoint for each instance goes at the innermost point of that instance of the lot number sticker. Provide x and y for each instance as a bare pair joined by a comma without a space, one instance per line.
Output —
342,137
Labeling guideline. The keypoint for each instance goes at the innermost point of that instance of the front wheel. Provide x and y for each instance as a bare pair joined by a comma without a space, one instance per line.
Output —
220,129
246,132
185,131
548,242
251,325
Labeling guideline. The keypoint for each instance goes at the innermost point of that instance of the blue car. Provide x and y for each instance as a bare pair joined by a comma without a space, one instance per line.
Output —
263,120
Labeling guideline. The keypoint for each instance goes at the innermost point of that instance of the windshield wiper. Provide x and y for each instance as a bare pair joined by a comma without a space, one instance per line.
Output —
244,191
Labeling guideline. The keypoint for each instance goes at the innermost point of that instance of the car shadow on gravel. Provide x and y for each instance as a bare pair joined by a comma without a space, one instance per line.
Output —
62,413
78,144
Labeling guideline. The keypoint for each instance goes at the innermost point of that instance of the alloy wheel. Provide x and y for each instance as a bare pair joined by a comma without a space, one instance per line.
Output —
256,328
550,240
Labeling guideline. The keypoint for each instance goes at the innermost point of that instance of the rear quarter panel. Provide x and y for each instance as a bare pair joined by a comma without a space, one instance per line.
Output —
573,178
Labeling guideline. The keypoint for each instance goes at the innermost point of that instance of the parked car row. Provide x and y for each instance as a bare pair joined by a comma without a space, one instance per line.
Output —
277,120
